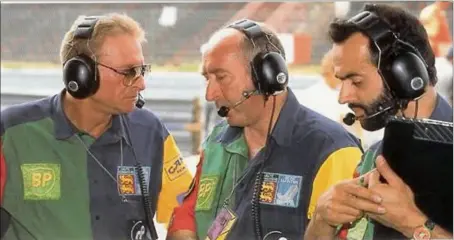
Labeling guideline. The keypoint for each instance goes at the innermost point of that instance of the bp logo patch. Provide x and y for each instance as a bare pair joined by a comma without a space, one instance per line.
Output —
281,189
41,181
207,190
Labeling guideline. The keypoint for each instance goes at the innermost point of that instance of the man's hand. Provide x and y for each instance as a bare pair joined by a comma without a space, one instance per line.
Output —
346,201
343,203
402,214
182,235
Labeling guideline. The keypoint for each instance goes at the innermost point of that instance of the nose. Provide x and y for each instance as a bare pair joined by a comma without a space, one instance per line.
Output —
212,91
140,83
346,93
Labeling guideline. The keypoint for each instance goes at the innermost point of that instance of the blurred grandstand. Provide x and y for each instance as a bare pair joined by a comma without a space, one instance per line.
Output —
33,32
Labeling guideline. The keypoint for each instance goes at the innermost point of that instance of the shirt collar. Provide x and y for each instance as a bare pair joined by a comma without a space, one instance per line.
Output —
64,129
442,110
283,129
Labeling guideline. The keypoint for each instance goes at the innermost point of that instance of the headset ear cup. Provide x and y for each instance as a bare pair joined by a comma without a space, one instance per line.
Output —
272,73
81,77
409,76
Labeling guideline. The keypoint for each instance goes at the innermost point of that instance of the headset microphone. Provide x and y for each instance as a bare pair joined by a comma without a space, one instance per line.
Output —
140,101
223,111
349,119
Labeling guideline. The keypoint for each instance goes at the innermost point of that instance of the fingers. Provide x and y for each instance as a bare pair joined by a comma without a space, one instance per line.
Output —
342,218
374,178
336,213
347,201
364,205
361,192
347,211
385,170
363,180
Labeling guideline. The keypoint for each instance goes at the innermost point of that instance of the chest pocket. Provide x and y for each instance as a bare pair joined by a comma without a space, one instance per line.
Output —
285,193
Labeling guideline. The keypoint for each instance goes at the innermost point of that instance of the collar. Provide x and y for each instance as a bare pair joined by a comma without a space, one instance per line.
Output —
64,129
442,110
282,131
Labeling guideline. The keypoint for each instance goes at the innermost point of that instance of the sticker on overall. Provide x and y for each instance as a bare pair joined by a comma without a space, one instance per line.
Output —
129,181
281,189
207,190
41,181
175,168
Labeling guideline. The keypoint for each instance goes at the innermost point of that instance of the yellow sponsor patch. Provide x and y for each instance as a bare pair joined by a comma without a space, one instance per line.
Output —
175,168
41,181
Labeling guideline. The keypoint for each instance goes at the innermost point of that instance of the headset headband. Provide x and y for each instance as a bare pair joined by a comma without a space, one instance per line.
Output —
251,29
380,33
85,29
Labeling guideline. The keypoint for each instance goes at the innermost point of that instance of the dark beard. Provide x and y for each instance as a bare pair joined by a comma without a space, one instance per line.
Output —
384,100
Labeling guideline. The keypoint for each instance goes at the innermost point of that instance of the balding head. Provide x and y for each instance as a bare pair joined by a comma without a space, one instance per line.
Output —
226,41
233,38
226,67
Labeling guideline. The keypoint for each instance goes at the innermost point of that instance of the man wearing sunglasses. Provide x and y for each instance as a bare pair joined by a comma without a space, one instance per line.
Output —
88,163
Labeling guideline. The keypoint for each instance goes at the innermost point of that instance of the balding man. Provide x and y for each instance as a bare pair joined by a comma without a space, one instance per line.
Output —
263,168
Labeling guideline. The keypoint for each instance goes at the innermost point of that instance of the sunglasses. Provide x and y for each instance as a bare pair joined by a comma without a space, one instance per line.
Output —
132,74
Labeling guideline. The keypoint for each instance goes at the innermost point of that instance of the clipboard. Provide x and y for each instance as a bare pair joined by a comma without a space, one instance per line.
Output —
420,151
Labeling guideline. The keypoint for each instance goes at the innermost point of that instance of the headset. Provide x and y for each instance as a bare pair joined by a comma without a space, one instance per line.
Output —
400,64
80,73
270,77
269,69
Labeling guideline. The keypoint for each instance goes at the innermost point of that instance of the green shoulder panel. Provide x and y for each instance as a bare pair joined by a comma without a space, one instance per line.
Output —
222,165
46,188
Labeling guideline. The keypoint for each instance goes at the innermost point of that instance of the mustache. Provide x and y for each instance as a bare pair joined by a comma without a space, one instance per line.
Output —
357,105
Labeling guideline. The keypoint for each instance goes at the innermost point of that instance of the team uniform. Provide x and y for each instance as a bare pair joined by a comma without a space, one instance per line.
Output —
59,183
309,153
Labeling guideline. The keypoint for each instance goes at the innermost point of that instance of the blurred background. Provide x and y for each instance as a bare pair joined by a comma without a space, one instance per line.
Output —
31,35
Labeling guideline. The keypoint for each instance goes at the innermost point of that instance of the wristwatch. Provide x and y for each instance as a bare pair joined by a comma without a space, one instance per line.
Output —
424,232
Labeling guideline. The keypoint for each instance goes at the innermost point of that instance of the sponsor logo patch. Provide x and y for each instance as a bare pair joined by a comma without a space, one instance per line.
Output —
281,189
175,168
41,181
207,190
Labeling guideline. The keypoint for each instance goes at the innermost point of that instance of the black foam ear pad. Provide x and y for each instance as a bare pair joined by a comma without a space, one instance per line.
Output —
269,73
81,77
407,76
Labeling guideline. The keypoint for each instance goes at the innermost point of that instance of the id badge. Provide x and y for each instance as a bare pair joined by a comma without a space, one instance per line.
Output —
222,225
129,181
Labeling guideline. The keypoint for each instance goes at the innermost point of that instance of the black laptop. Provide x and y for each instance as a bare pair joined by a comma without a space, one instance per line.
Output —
420,151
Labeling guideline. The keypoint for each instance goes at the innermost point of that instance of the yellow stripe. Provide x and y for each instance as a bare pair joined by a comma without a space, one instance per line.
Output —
339,166
176,180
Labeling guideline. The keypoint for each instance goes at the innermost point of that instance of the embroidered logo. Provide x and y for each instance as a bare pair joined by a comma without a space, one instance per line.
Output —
207,190
41,181
129,182
175,168
281,189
